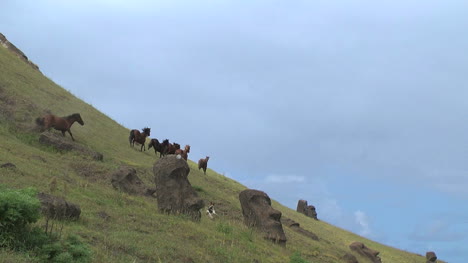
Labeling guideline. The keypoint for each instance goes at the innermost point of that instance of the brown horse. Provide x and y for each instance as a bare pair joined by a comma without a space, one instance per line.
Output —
171,148
203,163
184,152
158,147
62,124
138,137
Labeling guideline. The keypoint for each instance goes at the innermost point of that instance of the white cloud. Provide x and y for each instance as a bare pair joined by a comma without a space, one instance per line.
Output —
362,220
285,179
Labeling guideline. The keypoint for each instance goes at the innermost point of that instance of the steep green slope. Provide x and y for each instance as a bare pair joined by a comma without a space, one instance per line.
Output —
134,230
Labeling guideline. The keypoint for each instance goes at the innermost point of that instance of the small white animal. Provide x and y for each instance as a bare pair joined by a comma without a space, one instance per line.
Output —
210,211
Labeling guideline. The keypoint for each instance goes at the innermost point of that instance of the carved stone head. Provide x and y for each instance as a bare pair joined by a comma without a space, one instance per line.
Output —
173,190
362,249
258,213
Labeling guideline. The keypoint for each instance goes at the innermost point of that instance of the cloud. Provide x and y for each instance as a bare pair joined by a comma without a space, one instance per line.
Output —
361,219
285,179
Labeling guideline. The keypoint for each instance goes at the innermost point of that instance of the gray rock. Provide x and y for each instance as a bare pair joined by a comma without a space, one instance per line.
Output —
258,213
174,192
55,207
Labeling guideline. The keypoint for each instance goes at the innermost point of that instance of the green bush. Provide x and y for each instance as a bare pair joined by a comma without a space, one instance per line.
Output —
19,209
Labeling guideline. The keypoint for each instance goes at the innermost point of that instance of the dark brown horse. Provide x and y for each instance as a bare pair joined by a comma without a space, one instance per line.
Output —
203,164
139,137
171,148
158,147
62,124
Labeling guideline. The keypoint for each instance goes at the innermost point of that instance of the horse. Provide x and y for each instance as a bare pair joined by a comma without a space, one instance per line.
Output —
136,136
184,152
158,147
203,163
171,148
62,124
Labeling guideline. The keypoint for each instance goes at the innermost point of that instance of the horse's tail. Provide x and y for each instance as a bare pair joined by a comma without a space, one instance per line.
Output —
131,137
40,121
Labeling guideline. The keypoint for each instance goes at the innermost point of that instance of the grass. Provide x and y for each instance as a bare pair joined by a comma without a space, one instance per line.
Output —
134,231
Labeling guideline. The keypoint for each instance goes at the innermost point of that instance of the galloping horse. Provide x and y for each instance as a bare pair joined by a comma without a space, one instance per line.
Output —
138,137
62,124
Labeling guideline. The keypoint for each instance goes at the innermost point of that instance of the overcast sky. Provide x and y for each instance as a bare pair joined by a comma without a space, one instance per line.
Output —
359,107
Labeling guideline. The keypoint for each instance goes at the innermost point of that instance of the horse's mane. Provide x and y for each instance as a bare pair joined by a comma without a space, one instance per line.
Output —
74,115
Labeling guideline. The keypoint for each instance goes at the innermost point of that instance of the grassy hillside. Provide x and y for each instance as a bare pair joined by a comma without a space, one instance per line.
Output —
135,231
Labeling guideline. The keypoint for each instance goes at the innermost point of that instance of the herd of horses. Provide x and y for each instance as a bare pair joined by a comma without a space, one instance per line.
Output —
64,124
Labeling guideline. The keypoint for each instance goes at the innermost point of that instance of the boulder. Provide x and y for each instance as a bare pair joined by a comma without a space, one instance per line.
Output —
55,207
174,192
308,210
296,227
431,257
258,213
365,251
126,180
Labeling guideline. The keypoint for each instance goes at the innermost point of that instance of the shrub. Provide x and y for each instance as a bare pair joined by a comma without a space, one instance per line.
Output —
18,209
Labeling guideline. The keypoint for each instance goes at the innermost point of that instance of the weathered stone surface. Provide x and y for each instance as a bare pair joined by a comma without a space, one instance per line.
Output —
365,251
308,210
431,257
301,205
126,180
55,207
258,213
296,227
173,190
60,143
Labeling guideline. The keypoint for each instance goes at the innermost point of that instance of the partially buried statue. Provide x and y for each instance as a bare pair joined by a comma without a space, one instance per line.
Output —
173,190
362,249
258,213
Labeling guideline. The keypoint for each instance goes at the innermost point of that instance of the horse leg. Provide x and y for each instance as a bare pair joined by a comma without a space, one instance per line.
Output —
70,134
131,138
